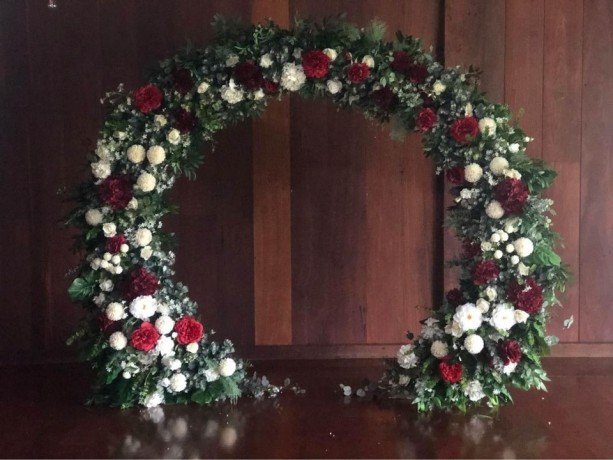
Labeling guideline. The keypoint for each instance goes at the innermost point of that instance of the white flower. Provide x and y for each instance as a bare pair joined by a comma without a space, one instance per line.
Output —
109,229
512,173
232,60
503,317
146,253
474,390
126,375
259,94
439,349
438,87
178,383
143,307
334,86
146,182
93,217
95,264
468,110
106,285
523,269
163,309
164,324
514,148
468,316
454,329
498,254
514,260
156,155
297,53
227,366
114,311
406,357
483,305
118,341
523,246
121,135
369,61
495,238
192,347
173,136
491,293
132,204
332,54
487,126
100,298
231,94
107,256
164,345
509,368
494,210
473,344
101,169
211,375
116,259
117,270
154,399
202,87
509,248
521,316
171,363
504,236
473,172
498,165
430,329
136,153
124,248
143,236
486,246
292,77
103,152
160,120
265,61
404,380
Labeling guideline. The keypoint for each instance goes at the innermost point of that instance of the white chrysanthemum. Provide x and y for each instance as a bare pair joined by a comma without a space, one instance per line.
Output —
494,210
192,347
483,305
509,227
156,154
164,345
143,307
495,238
334,86
504,236
439,87
514,260
503,317
232,60
487,126
512,173
468,316
473,172
143,236
101,169
118,341
454,329
146,182
227,367
491,293
132,204
109,229
231,94
93,217
160,121
266,61
211,375
173,136
474,390
473,344
154,400
521,316
146,253
523,269
164,324
369,61
509,248
499,165
509,368
514,148
115,311
136,153
178,383
439,349
292,77
332,54
523,246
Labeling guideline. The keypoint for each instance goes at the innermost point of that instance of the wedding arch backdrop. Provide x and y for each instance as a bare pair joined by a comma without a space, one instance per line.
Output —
141,331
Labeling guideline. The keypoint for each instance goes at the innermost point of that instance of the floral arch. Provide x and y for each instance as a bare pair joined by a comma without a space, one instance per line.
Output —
141,330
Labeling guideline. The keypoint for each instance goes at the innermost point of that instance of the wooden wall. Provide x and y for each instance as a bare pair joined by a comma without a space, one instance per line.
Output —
308,232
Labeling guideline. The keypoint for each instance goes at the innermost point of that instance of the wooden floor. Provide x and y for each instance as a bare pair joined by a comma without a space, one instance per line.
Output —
41,415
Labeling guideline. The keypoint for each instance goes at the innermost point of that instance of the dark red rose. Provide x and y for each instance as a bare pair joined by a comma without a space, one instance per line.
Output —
401,63
425,119
107,326
188,330
116,191
464,130
455,175
148,98
509,351
471,249
315,64
512,195
417,73
450,373
113,244
248,74
184,121
455,297
384,98
182,81
484,271
357,73
527,297
140,282
144,338
270,87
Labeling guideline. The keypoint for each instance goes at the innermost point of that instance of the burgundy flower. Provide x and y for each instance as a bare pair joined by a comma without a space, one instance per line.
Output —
182,81
148,98
450,373
248,74
426,119
113,244
144,338
107,326
455,175
357,73
315,64
116,191
417,73
509,351
270,87
471,249
384,98
185,121
527,297
464,130
484,271
455,297
140,282
188,330
512,195
401,62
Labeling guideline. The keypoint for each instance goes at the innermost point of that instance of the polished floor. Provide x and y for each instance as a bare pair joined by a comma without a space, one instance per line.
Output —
41,415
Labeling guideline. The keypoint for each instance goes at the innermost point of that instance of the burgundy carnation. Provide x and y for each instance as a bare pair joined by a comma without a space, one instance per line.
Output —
471,249
107,326
140,282
144,338
248,74
384,98
182,81
509,351
401,62
184,121
527,297
357,73
464,130
512,195
116,191
484,271
417,73
148,98
450,373
426,119
270,87
315,64
113,244
455,297
188,330
455,175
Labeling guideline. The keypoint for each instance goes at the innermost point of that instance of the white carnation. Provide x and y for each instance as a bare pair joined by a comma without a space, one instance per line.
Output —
101,169
334,86
227,366
136,153
369,61
178,383
211,375
231,94
292,77
114,311
474,390
439,349
109,229
473,172
266,61
202,87
498,165
143,236
468,316
483,305
93,217
438,87
523,246
232,60
487,126
332,54
143,307
473,344
118,341
156,155
503,317
154,399
160,120
494,210
164,324
490,293
164,345
146,182
521,316
173,136
146,253
192,347
514,148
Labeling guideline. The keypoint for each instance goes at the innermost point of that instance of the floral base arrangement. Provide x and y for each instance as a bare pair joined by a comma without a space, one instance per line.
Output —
142,332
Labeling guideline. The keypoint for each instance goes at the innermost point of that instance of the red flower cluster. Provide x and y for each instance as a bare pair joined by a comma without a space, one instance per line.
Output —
248,74
471,249
357,73
450,373
527,297
182,81
464,130
484,271
148,98
188,330
512,195
509,351
144,338
184,121
426,119
455,175
384,98
140,282
455,297
404,64
270,87
315,63
113,244
116,191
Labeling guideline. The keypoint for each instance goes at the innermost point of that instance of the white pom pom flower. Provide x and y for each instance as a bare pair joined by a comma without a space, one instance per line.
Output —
156,155
178,383
136,153
499,165
439,349
227,367
474,344
93,217
494,210
146,182
118,341
164,324
472,173
487,126
523,246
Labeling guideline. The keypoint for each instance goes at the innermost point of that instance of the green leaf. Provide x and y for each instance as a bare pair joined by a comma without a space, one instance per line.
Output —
231,388
201,397
80,289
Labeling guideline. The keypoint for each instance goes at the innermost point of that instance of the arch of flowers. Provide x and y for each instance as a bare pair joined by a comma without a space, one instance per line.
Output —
142,332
